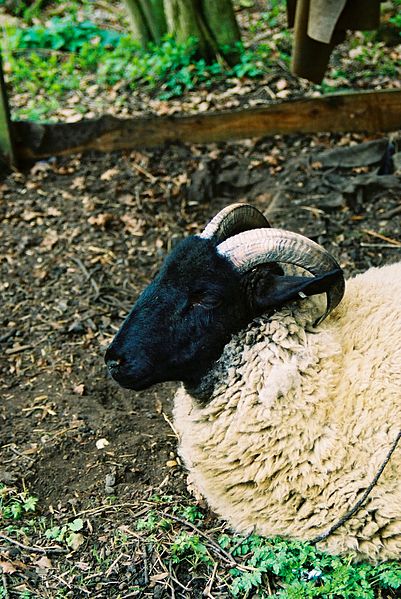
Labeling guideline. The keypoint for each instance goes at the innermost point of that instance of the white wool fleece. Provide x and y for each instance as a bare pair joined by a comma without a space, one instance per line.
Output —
301,419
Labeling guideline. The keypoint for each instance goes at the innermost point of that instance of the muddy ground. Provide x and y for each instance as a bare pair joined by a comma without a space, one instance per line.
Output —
81,236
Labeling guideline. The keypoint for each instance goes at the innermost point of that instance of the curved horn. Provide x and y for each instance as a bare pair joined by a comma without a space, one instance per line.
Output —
232,220
250,248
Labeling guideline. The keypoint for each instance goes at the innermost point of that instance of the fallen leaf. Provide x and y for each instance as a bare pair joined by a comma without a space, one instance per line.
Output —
29,215
100,220
7,568
51,211
78,183
281,84
109,174
49,241
134,226
75,540
44,563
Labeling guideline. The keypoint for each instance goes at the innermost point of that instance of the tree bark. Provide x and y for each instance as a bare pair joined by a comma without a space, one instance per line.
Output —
7,153
211,22
138,22
153,10
184,21
220,20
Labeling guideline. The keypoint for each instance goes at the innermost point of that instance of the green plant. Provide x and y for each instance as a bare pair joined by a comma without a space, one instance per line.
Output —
65,34
14,505
153,522
68,533
189,547
304,571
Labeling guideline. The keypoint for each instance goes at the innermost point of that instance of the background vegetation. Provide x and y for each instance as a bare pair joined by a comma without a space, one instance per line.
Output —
51,58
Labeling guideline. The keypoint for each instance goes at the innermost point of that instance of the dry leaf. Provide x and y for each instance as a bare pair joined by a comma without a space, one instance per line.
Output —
79,389
53,211
133,225
44,563
7,568
281,84
75,540
283,93
100,220
29,215
78,183
49,241
109,174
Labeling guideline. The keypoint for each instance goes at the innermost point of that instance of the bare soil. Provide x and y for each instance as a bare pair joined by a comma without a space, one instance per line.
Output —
81,236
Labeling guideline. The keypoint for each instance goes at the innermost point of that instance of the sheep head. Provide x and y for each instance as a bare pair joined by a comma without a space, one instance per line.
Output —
209,287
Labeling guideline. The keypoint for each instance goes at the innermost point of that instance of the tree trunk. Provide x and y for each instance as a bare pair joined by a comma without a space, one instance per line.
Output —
185,21
6,132
211,22
138,22
153,10
220,20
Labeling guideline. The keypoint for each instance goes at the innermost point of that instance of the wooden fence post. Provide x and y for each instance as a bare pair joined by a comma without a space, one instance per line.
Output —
7,153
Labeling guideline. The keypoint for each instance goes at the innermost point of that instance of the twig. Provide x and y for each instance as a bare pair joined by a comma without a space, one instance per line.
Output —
6,594
111,567
391,213
229,558
380,246
22,455
8,335
145,565
105,508
16,350
31,548
171,576
171,425
185,588
208,588
382,237
144,172
361,501
88,275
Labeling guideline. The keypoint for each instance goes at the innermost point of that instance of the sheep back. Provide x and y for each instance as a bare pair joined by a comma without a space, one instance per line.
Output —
301,419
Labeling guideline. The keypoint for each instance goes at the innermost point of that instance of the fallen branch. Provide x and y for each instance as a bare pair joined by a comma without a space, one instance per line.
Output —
373,112
32,549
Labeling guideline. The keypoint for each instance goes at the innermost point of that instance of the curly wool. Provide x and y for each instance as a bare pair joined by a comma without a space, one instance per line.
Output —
301,419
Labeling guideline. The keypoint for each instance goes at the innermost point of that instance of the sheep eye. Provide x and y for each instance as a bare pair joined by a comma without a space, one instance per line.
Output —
208,302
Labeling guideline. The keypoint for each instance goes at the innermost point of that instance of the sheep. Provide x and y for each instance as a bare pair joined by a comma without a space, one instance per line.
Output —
288,407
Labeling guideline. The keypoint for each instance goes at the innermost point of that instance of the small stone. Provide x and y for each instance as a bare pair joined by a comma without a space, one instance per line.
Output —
110,480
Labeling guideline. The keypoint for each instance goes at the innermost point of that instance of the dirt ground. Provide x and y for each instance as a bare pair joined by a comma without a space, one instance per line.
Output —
81,236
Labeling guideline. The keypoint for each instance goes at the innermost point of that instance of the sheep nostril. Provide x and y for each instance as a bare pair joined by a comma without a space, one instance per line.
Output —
113,365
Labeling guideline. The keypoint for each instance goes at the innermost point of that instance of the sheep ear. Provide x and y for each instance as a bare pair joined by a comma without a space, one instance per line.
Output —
276,290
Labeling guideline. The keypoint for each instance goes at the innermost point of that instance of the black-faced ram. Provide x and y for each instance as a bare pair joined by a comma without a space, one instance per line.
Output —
291,400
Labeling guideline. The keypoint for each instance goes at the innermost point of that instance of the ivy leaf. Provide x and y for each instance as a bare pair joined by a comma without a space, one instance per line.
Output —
76,525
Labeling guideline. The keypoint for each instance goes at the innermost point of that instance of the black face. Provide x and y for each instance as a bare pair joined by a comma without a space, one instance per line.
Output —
181,321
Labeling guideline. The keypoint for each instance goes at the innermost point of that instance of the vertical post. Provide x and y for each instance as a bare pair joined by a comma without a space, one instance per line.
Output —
7,153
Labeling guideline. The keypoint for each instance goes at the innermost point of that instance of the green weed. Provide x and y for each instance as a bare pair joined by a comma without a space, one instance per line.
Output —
53,60
14,505
68,533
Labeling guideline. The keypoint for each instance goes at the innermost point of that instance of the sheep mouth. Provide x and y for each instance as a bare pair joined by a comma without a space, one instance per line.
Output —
134,384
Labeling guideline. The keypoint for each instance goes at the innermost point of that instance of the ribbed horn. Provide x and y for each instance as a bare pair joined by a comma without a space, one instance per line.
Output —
250,248
234,219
